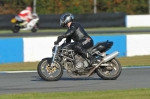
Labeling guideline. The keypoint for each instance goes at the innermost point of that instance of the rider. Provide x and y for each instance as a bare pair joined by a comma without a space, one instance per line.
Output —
26,15
82,41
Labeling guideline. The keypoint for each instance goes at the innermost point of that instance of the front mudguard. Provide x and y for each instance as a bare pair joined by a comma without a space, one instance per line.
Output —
49,59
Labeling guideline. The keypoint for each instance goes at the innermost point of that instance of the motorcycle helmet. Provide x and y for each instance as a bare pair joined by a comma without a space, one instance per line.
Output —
65,19
29,8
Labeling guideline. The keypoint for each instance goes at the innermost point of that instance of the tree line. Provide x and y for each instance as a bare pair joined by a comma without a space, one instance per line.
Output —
130,7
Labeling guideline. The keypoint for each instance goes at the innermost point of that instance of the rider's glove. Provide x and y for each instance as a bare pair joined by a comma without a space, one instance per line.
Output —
59,39
56,42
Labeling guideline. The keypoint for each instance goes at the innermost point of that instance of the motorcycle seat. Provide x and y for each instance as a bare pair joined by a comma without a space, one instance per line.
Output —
18,19
101,46
94,46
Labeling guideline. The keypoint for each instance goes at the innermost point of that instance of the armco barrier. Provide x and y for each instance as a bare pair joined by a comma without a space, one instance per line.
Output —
119,43
138,21
87,20
138,44
34,49
11,50
51,21
37,48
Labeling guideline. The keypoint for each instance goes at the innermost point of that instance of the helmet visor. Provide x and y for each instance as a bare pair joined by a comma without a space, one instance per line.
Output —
62,20
62,23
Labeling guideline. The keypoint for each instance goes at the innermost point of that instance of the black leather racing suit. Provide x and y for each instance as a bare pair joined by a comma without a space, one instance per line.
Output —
82,41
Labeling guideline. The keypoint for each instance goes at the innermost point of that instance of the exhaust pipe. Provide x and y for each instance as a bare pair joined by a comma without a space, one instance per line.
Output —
110,56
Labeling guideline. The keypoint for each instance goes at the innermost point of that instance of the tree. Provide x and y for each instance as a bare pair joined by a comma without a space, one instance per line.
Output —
77,6
127,6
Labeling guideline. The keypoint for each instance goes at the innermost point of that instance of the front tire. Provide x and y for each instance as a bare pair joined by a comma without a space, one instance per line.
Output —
15,28
110,73
48,72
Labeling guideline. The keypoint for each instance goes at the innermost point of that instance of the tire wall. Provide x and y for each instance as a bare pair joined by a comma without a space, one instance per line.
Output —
87,20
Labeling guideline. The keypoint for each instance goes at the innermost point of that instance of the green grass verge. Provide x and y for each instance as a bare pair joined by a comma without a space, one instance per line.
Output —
125,61
113,94
135,61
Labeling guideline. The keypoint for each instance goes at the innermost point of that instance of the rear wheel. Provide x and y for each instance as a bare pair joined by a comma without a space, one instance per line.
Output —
48,72
15,28
111,72
35,28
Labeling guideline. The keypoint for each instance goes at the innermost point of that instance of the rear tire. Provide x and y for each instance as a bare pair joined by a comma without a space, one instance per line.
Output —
35,28
46,71
108,74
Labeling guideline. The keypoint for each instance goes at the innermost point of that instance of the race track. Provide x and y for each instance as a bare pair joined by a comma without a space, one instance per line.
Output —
130,78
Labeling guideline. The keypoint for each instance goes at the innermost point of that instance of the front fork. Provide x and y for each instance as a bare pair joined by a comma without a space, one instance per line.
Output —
54,54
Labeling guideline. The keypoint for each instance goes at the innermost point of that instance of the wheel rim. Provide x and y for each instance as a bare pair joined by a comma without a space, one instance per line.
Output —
112,70
50,71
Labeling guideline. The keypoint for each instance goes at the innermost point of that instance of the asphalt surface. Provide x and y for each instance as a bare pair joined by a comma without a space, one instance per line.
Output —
30,82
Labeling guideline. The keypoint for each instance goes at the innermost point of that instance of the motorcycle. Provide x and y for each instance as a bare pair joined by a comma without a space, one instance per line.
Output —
64,57
32,25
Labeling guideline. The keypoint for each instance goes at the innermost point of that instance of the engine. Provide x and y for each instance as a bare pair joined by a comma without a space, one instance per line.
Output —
73,61
80,62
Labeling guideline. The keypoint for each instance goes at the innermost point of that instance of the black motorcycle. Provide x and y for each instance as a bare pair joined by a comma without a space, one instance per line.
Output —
64,57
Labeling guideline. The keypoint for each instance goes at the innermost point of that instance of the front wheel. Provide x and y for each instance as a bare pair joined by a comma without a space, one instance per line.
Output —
110,72
15,28
48,72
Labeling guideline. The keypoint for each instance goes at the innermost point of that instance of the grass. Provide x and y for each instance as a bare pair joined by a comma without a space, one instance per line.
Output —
19,66
113,94
125,61
135,61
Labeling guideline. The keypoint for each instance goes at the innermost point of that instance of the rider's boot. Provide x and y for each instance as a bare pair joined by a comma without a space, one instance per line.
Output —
24,24
86,54
90,57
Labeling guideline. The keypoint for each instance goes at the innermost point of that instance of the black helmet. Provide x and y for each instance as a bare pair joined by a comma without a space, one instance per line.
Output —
66,18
